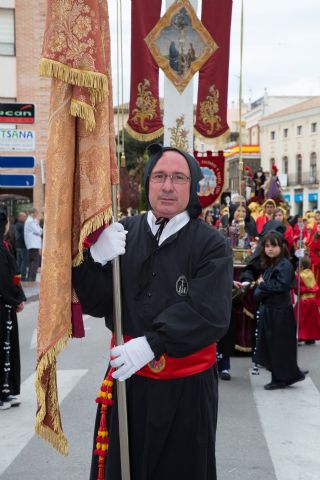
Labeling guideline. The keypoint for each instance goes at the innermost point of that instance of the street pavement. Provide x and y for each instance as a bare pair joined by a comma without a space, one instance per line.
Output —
261,435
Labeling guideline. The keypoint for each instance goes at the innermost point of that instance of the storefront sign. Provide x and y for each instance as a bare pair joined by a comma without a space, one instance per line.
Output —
313,197
16,181
16,113
17,162
17,140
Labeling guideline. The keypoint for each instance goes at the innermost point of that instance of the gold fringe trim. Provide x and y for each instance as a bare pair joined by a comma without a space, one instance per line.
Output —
55,437
83,78
90,226
243,349
96,96
249,314
210,139
144,137
84,111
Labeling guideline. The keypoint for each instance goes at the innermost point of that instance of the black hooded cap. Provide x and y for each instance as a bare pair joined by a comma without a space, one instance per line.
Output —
273,226
156,151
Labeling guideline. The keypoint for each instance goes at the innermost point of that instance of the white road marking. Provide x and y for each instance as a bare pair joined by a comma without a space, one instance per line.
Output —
17,423
33,342
290,420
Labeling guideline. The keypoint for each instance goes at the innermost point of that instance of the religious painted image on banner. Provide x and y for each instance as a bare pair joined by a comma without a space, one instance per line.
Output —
180,44
209,182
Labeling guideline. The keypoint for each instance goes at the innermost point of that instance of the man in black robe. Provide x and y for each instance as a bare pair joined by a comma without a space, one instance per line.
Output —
176,275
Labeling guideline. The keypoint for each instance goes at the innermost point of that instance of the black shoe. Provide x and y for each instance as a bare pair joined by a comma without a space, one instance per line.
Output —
225,375
275,385
13,401
310,342
301,376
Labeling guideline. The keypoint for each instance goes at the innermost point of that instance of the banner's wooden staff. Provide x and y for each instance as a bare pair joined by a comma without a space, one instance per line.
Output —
118,334
242,201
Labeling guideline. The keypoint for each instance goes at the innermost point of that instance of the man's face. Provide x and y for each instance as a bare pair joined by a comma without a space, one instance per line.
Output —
22,217
168,199
269,209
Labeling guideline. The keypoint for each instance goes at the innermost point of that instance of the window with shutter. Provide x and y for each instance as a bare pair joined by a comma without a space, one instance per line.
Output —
7,40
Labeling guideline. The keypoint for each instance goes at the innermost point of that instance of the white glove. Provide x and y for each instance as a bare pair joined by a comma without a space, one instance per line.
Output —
110,244
299,253
130,357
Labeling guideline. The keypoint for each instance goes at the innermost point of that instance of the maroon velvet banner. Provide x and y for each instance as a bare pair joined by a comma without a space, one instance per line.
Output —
144,121
212,167
211,115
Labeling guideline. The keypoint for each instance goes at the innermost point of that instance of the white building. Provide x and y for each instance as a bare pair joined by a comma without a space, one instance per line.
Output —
262,107
290,138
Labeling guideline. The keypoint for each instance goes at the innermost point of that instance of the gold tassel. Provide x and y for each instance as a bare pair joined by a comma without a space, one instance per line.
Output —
56,436
90,226
82,78
84,111
144,137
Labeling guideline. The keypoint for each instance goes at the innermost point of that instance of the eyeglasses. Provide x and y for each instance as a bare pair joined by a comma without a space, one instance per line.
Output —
176,178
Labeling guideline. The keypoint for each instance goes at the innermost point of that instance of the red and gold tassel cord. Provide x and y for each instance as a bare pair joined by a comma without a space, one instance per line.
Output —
17,279
102,441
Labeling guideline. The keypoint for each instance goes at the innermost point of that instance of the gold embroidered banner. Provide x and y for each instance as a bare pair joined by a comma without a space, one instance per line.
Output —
74,48
144,123
80,169
211,115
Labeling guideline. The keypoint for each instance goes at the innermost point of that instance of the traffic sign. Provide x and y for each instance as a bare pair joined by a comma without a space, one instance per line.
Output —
16,181
17,162
16,113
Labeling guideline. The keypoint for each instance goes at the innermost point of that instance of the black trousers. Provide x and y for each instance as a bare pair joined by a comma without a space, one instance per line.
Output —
33,258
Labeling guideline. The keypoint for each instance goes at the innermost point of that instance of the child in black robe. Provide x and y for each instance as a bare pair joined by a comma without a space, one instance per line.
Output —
276,347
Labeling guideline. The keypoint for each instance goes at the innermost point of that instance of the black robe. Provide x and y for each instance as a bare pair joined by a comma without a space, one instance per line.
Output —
276,347
11,295
172,423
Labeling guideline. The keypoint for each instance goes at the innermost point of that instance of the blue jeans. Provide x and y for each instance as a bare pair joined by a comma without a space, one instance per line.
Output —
22,261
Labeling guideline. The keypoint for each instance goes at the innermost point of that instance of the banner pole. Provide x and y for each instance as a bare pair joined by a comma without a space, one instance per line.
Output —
240,105
121,386
116,276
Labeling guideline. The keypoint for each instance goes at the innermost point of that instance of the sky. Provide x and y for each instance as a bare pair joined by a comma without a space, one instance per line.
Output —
280,48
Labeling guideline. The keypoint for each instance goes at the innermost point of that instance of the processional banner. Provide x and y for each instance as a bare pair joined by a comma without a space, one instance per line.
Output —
144,123
212,167
180,45
80,169
211,114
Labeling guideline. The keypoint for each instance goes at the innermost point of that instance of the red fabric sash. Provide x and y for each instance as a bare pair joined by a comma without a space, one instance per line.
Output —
211,115
168,368
144,123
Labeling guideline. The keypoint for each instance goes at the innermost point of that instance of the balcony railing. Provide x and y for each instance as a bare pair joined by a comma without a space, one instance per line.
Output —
303,178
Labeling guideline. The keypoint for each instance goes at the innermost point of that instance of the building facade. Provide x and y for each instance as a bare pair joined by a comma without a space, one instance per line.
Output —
21,33
290,138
